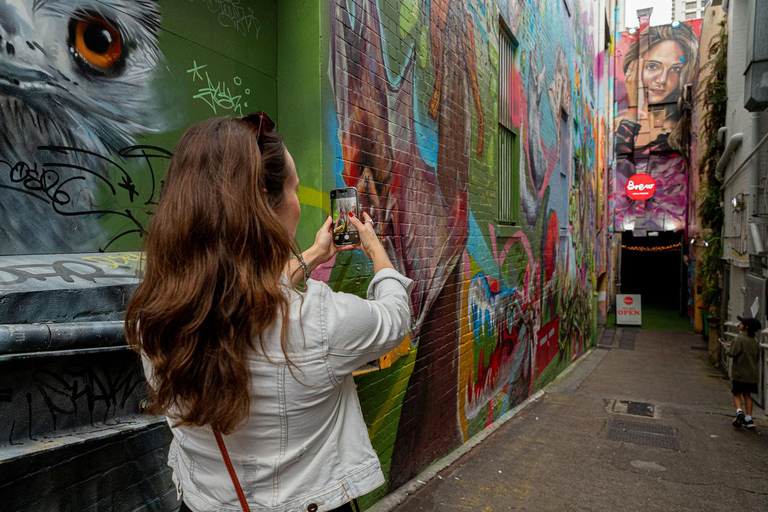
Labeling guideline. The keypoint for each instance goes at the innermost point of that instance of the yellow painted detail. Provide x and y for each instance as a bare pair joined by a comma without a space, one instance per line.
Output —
312,197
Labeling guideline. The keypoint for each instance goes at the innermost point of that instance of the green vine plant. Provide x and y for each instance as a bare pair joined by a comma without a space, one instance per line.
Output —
713,100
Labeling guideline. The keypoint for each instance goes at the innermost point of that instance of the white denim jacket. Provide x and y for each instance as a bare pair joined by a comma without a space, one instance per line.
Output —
305,446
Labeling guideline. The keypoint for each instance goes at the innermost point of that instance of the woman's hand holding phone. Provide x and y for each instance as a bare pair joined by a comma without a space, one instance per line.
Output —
324,249
370,243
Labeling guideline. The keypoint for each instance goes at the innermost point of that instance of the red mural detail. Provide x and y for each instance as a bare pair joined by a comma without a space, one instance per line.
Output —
488,375
550,247
548,344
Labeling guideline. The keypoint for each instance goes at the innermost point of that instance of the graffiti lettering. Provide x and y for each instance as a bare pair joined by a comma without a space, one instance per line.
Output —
62,393
60,183
218,95
66,270
232,14
115,260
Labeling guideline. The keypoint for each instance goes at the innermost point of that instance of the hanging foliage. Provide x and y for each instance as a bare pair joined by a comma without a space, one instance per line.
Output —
714,101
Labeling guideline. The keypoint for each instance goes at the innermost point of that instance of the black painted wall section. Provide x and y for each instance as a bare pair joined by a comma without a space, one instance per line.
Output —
43,398
126,472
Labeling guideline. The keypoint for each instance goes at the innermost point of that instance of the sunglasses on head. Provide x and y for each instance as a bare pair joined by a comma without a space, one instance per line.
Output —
261,120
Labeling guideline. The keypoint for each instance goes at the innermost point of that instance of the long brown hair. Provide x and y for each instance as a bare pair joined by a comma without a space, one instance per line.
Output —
686,39
215,252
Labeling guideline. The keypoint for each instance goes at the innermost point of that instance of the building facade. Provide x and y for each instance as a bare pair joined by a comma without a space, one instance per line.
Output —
478,132
744,165
685,10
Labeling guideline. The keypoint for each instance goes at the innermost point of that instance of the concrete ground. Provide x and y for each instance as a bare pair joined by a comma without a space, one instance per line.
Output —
556,453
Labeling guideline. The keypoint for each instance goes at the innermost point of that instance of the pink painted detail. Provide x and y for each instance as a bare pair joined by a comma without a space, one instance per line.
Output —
323,272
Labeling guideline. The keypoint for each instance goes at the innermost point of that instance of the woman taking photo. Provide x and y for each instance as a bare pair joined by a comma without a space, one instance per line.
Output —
255,377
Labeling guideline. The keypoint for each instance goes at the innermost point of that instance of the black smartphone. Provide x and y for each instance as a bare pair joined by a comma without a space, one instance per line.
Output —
344,201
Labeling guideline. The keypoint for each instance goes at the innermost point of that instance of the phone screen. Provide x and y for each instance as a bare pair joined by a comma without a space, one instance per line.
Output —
344,201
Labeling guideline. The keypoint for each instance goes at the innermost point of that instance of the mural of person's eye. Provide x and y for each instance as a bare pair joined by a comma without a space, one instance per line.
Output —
96,44
651,66
676,69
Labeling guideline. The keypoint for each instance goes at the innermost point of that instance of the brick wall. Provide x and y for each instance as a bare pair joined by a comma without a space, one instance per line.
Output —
402,103
499,309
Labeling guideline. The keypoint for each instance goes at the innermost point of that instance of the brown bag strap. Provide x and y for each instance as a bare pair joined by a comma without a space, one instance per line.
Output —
231,470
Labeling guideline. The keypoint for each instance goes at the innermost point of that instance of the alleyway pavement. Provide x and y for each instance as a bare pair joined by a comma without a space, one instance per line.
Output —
642,423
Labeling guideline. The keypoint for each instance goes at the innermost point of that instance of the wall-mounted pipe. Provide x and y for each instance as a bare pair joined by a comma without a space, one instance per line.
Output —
721,134
733,143
21,341
754,183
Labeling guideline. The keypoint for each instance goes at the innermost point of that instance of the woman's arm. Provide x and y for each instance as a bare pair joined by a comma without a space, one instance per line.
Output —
321,251
361,330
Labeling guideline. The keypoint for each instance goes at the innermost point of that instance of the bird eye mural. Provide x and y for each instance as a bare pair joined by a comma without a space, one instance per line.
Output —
652,70
76,93
93,96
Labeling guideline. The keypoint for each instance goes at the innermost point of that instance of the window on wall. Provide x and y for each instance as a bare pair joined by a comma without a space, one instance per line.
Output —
509,144
565,169
690,15
690,5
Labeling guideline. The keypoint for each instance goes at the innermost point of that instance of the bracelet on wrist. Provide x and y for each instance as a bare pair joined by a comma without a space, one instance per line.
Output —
303,265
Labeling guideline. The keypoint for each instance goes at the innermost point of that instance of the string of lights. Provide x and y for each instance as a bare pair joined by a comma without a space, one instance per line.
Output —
660,248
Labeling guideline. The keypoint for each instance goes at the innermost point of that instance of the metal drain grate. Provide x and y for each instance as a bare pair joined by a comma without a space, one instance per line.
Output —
640,409
644,434
627,339
607,339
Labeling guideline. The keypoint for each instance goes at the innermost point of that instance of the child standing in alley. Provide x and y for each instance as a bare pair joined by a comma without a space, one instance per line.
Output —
745,352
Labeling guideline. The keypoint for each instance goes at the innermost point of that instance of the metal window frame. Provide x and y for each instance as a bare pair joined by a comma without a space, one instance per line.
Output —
508,138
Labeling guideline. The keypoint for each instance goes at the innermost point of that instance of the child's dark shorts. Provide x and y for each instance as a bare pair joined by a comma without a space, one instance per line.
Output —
744,387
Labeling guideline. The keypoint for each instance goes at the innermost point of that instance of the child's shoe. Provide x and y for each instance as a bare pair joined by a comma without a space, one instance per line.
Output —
739,421
749,424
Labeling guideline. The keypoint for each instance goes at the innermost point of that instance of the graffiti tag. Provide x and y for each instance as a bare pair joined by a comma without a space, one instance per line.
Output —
65,270
63,392
115,260
59,182
232,14
218,95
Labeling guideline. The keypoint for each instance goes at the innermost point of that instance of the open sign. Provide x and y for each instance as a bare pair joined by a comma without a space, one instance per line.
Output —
641,187
628,310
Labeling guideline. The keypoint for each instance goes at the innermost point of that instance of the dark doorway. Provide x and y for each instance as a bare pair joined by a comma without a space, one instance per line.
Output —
652,266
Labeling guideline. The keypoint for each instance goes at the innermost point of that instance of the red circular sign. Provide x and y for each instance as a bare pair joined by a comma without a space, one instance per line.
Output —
628,301
641,187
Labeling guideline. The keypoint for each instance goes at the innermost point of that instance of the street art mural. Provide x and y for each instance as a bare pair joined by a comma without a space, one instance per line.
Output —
94,95
410,107
653,68
496,313
77,95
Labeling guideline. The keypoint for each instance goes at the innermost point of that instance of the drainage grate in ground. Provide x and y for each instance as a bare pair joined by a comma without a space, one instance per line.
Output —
634,408
644,434
607,339
699,347
627,339
640,409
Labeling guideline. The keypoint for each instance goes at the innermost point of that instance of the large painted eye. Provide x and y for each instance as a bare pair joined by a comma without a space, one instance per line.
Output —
96,43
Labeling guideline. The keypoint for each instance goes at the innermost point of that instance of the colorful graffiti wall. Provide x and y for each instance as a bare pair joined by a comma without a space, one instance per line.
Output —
499,310
653,67
408,112
96,96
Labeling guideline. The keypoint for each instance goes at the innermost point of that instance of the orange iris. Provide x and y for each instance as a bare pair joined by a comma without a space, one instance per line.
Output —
98,42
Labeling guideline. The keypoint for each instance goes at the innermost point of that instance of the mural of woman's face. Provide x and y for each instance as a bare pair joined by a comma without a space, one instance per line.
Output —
662,66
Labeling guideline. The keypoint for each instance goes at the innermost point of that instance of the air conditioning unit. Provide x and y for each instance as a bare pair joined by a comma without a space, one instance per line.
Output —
756,75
